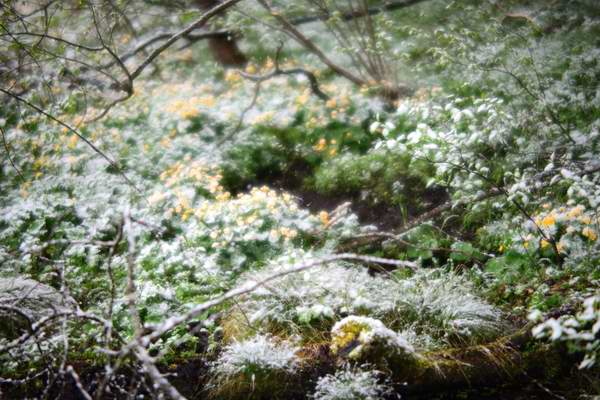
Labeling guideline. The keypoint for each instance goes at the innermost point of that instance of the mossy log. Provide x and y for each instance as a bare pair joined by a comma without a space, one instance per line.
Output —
498,362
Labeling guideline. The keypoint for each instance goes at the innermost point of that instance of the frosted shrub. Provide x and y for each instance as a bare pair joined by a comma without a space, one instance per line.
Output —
318,295
254,368
438,305
444,306
351,384
357,337
582,331
260,353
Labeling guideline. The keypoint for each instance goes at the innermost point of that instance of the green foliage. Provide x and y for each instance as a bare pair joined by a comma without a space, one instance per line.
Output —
382,176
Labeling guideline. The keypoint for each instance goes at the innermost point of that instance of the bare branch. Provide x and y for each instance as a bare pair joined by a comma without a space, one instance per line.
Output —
9,156
199,23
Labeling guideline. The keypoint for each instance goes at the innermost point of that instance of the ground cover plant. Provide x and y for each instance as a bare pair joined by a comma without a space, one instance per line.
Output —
319,199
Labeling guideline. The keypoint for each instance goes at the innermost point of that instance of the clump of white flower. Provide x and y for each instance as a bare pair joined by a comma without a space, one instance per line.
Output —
356,337
582,330
259,354
351,384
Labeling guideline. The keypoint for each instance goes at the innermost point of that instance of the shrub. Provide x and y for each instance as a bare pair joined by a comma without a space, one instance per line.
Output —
441,305
351,383
254,368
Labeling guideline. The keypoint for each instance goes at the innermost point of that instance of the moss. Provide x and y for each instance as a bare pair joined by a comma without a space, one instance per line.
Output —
254,386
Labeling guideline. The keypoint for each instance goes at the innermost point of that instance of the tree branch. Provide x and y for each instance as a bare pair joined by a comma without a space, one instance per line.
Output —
200,22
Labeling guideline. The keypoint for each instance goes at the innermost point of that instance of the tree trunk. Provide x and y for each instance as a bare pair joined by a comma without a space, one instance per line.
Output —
223,49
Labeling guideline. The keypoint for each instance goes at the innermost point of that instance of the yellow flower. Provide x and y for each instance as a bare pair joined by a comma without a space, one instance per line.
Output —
72,141
232,76
303,98
548,221
575,212
165,142
501,248
586,220
206,101
589,233
331,103
185,215
269,64
324,217
544,243
223,196
321,145
274,234
333,152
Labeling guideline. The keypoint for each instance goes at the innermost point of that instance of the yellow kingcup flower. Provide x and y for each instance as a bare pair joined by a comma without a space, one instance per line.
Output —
575,212
186,214
321,145
303,98
223,196
274,234
269,64
207,101
548,221
72,141
165,142
324,217
585,219
589,233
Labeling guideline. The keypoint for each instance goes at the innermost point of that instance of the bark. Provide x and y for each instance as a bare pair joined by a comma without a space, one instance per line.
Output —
224,48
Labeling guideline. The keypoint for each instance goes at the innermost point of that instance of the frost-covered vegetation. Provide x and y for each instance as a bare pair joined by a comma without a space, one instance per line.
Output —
373,203
352,384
